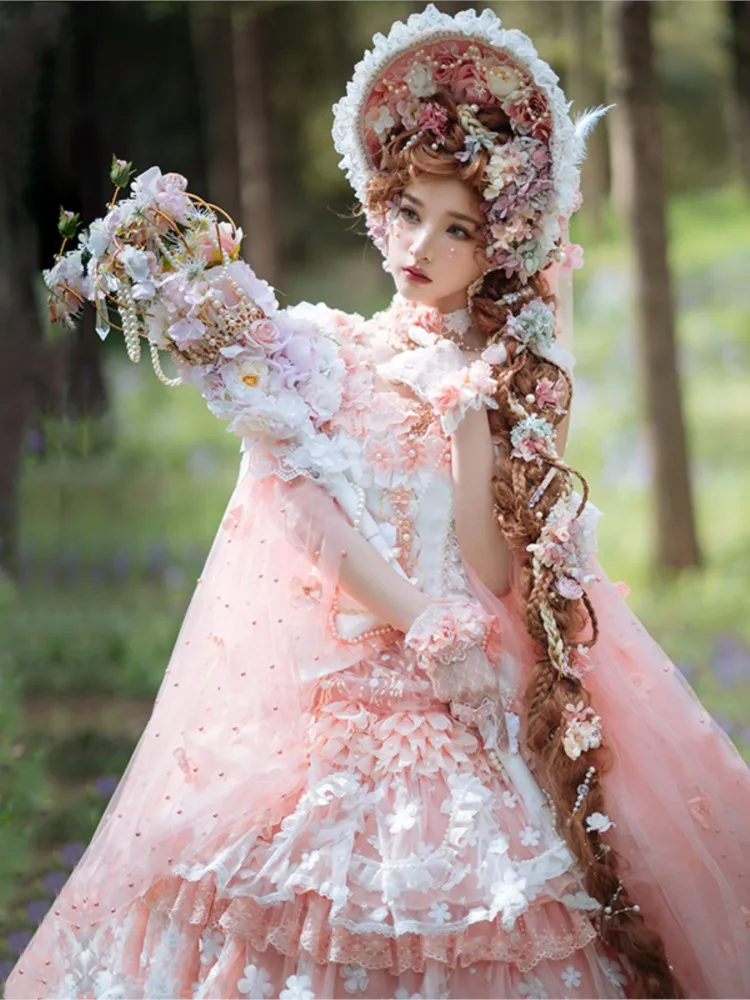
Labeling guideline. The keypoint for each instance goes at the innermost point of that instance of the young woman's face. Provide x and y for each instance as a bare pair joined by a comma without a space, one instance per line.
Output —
435,243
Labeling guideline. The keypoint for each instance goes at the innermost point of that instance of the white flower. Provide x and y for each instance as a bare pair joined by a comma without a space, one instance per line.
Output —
98,239
502,81
510,800
135,261
498,845
297,988
420,80
309,860
403,994
509,897
571,977
439,913
379,119
355,978
613,971
256,984
211,943
599,823
408,110
403,817
532,989
530,837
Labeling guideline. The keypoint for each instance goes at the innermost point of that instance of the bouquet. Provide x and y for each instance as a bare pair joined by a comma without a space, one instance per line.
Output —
169,263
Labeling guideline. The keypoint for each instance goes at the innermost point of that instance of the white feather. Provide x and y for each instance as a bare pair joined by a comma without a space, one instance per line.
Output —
585,124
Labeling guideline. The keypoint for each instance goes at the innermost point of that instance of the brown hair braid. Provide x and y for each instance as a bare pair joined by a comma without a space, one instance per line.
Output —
555,623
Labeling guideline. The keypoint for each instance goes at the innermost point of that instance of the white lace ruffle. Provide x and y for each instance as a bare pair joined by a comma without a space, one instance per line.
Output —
567,148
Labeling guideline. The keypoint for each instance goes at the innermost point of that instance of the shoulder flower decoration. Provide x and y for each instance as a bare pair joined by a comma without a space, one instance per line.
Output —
583,730
458,392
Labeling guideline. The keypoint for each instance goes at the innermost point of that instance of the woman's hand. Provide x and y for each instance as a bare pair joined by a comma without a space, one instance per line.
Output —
450,639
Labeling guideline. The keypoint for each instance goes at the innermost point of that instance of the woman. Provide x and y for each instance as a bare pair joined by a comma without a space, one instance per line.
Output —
411,742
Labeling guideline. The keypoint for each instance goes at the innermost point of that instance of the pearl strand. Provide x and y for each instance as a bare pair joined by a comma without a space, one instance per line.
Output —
156,362
130,325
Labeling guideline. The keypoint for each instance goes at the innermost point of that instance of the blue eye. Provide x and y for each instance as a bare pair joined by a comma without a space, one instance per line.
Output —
408,213
460,232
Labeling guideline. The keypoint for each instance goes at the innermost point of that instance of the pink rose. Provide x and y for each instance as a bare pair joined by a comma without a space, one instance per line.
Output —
211,248
467,84
264,333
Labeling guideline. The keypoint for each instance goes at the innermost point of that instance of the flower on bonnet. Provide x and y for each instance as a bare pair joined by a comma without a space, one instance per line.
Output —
433,118
379,119
420,80
472,145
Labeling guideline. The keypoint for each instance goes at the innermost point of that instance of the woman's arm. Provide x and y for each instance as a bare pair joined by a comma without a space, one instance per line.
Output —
482,544
369,579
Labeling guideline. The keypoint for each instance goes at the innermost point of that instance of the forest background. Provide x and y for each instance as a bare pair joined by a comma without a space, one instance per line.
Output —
112,486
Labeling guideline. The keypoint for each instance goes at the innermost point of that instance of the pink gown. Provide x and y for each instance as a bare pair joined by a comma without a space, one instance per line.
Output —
302,819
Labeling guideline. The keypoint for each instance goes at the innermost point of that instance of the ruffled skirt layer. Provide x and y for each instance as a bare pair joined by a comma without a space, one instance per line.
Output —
406,868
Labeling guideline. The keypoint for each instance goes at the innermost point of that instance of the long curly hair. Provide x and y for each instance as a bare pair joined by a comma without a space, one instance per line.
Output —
525,494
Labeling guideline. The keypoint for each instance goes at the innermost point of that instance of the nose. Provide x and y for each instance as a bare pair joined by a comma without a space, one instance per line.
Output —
421,247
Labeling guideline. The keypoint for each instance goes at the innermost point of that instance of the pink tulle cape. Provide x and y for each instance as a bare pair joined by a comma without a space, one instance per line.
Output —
224,751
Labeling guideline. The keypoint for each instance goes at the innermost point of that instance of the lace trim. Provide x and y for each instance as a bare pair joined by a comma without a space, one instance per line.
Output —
306,924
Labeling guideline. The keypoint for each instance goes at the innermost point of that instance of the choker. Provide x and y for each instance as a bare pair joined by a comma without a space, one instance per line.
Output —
421,325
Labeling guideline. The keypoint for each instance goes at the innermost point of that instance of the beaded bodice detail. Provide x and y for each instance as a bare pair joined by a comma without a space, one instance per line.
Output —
399,457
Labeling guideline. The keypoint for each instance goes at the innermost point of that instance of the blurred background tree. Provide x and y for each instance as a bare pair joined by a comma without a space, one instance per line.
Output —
111,486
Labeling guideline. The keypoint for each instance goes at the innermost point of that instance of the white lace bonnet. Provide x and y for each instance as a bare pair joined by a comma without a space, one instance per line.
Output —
478,61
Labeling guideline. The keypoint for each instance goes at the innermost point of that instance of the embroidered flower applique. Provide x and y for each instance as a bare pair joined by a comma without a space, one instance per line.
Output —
531,988
256,983
355,978
571,977
306,593
297,988
439,913
211,943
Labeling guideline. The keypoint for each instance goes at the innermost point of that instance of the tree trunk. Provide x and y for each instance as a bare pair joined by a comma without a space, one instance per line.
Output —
257,203
212,39
86,388
585,87
739,47
644,208
24,30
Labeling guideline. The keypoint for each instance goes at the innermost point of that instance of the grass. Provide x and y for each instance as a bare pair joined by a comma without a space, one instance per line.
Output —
114,535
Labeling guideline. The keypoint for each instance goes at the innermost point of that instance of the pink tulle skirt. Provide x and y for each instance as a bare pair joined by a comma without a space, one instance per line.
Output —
344,836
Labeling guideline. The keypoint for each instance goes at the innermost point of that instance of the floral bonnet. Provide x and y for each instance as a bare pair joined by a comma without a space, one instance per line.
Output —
531,184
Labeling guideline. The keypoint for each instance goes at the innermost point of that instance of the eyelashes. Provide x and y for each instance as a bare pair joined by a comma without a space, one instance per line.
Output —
409,215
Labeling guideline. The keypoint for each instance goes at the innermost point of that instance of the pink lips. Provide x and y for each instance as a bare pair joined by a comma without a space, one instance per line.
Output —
418,275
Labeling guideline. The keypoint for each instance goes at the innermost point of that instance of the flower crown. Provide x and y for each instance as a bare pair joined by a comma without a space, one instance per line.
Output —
532,179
